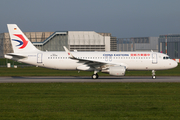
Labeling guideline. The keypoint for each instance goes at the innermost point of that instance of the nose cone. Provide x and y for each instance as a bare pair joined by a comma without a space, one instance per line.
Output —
174,64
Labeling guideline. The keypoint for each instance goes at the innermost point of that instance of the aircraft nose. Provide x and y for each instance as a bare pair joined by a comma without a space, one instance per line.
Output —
174,64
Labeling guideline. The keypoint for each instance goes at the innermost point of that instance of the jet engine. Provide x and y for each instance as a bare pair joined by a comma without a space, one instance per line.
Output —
84,67
116,70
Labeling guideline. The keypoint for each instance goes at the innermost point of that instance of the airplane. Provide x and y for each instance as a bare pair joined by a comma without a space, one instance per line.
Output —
114,63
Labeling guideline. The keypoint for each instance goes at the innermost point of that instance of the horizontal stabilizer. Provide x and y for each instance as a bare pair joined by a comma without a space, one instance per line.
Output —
20,56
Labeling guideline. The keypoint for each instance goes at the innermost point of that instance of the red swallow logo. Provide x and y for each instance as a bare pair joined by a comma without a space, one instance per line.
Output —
23,42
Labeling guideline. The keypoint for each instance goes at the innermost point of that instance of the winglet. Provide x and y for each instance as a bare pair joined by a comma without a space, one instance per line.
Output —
68,52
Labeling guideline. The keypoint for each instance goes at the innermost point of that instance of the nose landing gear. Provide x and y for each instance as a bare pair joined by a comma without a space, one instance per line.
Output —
153,74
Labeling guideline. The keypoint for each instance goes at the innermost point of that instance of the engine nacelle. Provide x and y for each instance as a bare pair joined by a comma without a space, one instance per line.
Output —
84,67
117,70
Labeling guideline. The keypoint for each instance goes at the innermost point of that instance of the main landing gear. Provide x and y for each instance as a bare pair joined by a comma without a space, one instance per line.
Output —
95,75
153,74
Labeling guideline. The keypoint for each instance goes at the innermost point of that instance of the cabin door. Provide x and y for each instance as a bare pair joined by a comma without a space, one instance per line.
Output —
154,58
39,57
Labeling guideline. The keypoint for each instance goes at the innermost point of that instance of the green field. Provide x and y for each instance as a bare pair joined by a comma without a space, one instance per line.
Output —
24,70
91,101
38,71
4,61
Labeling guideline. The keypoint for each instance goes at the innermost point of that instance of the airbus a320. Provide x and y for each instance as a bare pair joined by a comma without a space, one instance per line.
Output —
114,63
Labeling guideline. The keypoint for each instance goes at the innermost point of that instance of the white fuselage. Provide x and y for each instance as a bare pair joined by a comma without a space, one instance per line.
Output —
114,63
131,60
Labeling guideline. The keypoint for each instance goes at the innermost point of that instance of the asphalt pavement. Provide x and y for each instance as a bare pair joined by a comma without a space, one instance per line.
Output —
87,79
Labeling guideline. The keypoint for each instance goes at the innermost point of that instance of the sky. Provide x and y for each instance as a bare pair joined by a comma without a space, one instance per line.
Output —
121,18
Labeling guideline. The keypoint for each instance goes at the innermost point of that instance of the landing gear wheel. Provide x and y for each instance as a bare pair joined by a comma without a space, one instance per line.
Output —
153,74
95,76
154,77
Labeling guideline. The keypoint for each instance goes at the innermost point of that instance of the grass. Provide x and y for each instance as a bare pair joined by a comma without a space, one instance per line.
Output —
91,101
38,71
171,72
4,62
97,101
22,70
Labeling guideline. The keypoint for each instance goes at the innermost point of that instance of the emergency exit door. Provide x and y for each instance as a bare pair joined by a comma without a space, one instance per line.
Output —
39,57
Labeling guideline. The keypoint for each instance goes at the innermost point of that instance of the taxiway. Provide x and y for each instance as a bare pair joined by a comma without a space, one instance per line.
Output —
87,79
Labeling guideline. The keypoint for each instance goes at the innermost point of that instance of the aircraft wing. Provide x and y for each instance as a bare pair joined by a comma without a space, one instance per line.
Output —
92,63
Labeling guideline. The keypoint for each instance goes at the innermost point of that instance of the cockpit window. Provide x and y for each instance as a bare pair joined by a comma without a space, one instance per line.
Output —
166,57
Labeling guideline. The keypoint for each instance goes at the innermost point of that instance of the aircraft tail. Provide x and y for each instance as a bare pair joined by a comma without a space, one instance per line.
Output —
19,41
